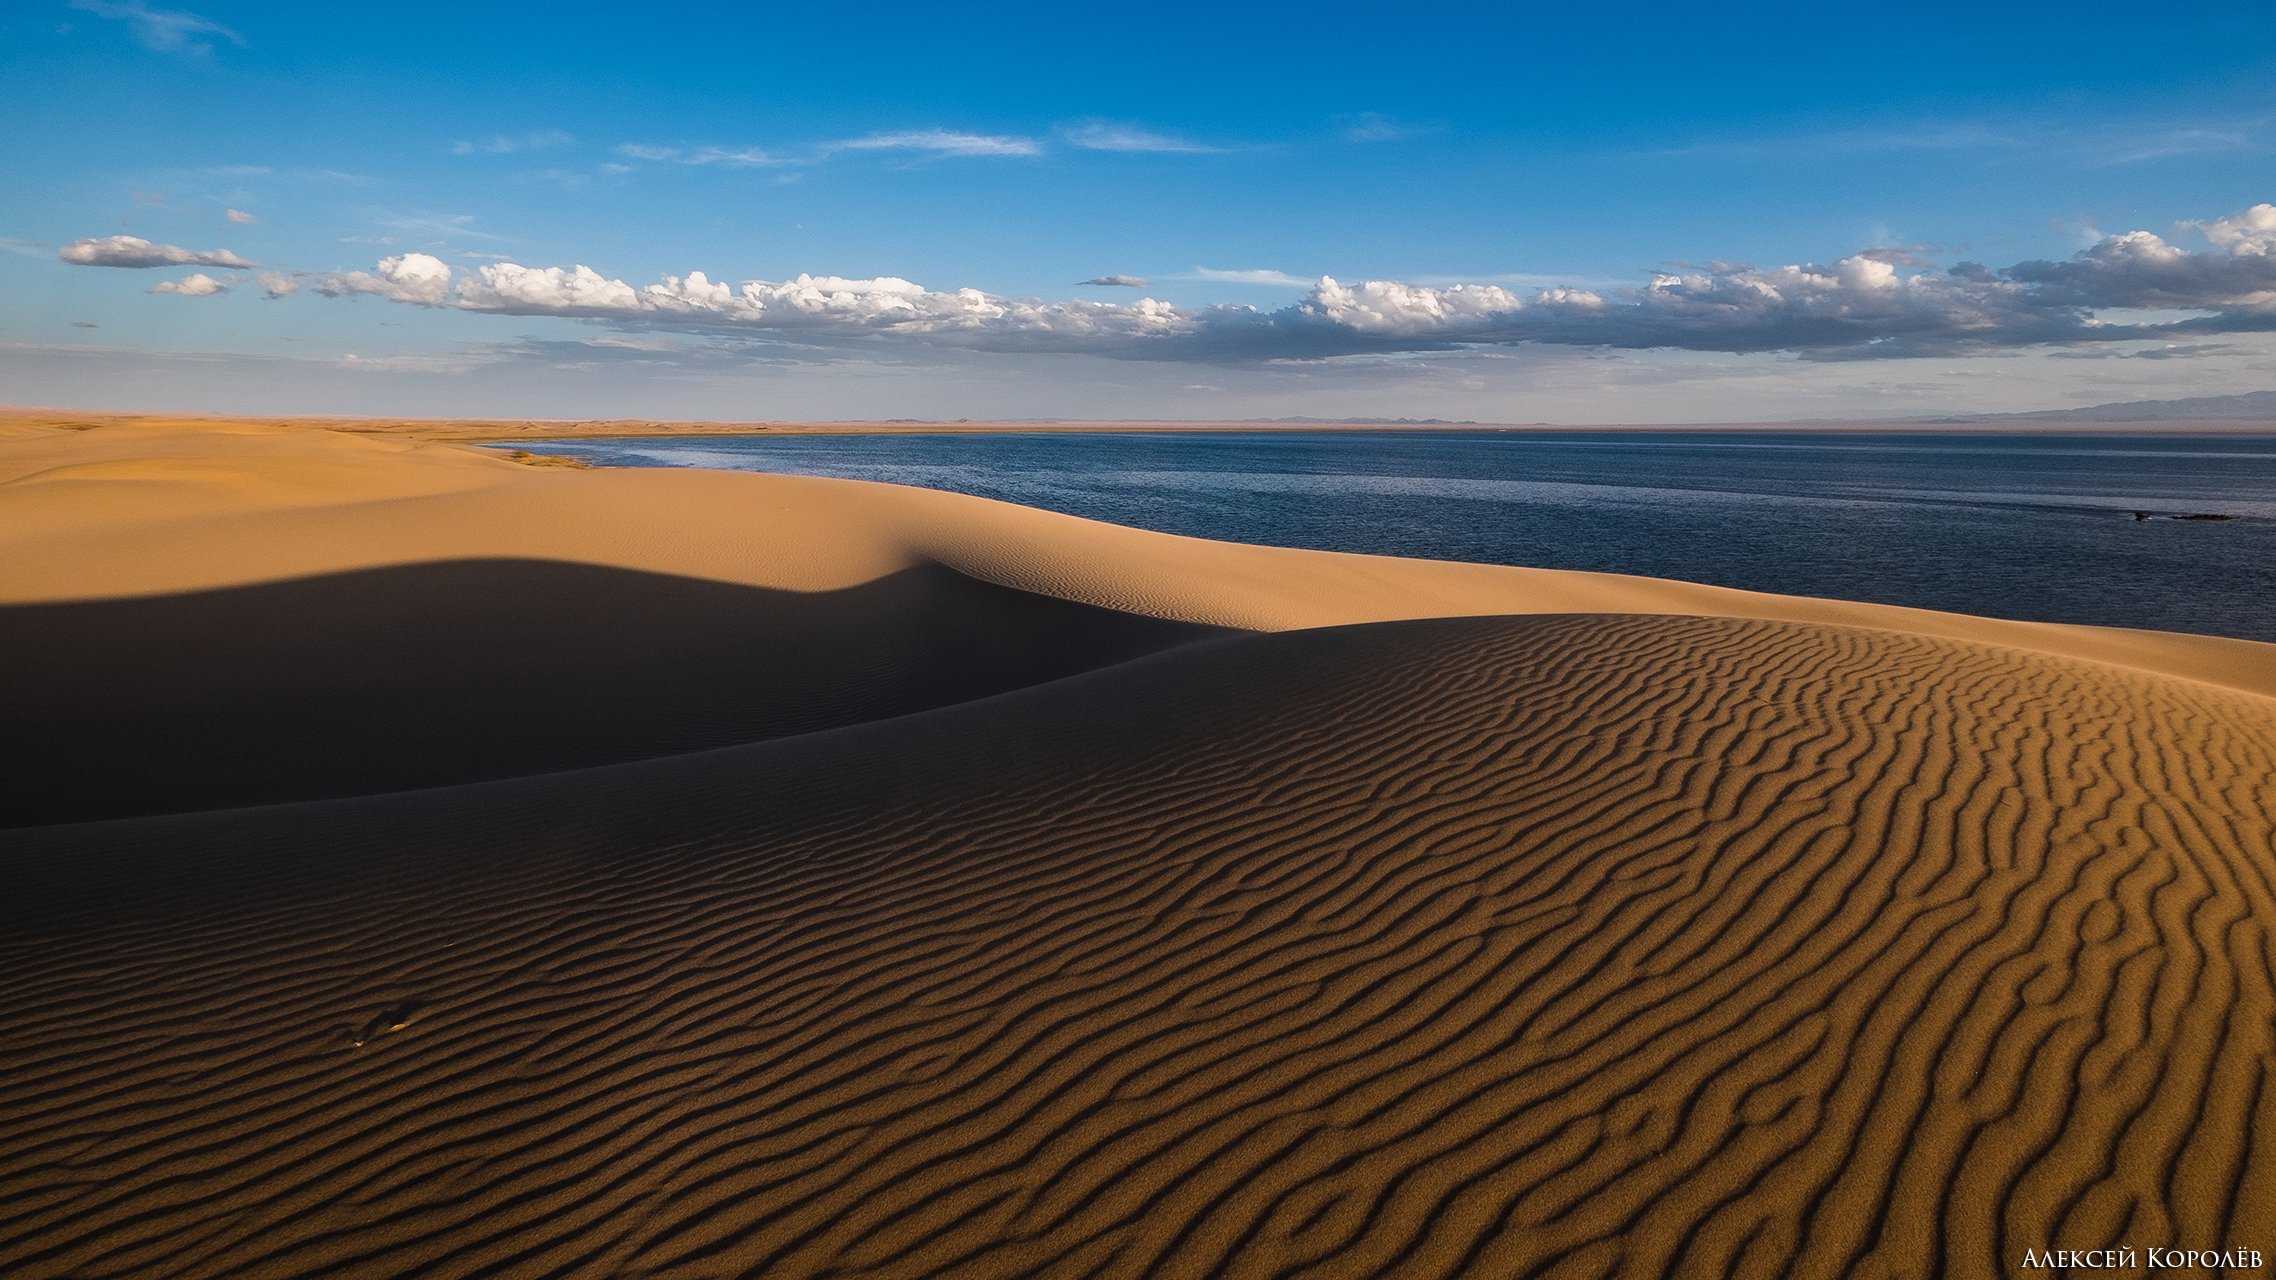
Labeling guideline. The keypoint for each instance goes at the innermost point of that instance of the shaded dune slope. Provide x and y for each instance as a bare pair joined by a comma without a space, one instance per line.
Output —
428,674
1550,945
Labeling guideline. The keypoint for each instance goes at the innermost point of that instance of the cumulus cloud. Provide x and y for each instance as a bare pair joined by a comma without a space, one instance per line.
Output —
239,216
1870,304
417,278
1102,135
943,142
1120,282
134,251
276,284
166,30
2248,234
2141,269
195,285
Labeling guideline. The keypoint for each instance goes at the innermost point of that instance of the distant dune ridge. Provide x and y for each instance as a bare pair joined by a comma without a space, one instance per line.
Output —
456,867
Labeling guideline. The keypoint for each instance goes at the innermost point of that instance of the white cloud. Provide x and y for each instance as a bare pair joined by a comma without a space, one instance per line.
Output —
505,144
195,285
729,157
937,142
438,225
1101,135
1278,279
2163,143
508,286
2248,234
239,216
1121,282
416,278
134,251
276,284
732,157
1383,306
814,307
942,142
166,30
1869,304
2090,141
1374,126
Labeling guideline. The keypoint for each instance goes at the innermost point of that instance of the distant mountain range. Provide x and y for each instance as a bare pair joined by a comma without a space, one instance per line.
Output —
2252,406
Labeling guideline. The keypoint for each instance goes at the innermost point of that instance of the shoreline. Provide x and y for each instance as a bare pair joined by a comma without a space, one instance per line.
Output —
510,430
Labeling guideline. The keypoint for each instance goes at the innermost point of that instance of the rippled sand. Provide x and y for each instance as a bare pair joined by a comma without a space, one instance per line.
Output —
453,867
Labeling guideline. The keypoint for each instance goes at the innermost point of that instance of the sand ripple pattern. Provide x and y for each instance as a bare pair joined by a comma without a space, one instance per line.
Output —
1547,946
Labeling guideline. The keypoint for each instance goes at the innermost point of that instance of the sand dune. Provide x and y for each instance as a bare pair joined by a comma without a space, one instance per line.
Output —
1062,907
423,675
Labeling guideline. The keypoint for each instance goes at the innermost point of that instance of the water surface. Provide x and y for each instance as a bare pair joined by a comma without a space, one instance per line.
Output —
2039,527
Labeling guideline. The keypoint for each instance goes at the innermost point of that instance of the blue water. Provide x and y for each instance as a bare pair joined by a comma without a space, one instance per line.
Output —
2036,527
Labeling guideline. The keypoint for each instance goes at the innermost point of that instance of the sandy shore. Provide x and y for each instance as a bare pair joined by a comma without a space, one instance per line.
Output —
530,431
421,863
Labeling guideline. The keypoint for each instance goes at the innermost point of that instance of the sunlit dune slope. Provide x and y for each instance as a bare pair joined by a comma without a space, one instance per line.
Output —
1633,945
148,510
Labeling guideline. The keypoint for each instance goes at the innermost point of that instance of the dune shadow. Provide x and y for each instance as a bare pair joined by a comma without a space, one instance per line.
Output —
426,675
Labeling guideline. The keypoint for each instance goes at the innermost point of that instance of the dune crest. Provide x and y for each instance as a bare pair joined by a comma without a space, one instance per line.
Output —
240,511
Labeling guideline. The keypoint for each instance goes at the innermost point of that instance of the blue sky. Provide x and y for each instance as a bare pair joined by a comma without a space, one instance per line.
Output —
1501,212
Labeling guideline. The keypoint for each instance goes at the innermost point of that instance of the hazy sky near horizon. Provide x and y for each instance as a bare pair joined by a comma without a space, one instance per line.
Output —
1507,212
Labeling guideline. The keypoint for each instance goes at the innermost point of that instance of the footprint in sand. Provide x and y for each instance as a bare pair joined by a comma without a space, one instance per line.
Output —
393,1017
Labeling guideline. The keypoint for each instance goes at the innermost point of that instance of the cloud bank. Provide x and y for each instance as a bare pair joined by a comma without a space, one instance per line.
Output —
134,251
1868,305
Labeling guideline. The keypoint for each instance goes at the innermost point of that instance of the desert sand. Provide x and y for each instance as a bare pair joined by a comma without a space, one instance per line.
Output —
417,862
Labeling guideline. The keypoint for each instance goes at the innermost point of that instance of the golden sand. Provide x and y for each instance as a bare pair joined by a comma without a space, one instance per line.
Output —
466,868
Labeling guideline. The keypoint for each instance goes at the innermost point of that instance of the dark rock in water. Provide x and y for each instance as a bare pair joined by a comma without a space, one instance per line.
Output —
2206,515
2141,515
